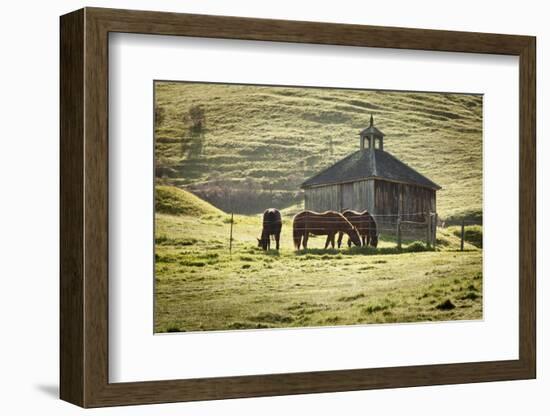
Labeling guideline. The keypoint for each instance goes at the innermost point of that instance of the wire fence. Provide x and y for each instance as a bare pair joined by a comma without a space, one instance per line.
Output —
404,226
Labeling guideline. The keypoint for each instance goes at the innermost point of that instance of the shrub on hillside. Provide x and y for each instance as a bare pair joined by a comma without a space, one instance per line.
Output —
471,216
473,234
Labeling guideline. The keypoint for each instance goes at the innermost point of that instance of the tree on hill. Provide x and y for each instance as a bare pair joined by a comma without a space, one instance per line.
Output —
192,141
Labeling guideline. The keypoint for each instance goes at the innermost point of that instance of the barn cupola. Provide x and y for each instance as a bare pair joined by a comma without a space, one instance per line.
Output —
371,134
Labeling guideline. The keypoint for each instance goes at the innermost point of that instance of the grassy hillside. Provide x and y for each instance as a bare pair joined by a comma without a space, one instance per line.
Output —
199,285
266,140
172,200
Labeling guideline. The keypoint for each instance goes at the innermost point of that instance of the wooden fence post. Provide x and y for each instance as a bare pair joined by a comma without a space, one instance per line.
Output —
231,235
435,230
462,236
399,232
428,228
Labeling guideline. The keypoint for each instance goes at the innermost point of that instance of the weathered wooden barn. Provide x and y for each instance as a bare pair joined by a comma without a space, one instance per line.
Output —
372,179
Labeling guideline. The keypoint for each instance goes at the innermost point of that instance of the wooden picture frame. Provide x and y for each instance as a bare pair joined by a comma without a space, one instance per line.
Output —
84,207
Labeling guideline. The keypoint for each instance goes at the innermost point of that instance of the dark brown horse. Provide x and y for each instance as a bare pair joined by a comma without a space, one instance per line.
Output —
272,224
365,225
328,223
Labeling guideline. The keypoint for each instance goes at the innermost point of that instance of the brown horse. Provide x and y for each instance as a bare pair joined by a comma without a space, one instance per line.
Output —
365,225
272,224
328,223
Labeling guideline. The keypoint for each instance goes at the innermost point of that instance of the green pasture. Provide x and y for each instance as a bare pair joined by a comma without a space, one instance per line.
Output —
199,285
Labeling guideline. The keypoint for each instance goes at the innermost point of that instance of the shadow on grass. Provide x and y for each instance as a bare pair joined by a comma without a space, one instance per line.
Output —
259,251
414,247
318,251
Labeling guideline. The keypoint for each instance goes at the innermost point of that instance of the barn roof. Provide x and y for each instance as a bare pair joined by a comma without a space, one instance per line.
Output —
371,130
359,166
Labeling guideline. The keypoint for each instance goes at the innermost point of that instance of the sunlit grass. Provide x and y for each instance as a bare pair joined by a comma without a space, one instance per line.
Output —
200,285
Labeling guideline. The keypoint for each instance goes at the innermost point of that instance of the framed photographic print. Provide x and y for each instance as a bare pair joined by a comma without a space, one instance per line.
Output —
256,207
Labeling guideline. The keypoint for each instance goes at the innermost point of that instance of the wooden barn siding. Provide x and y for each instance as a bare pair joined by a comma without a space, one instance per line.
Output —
323,198
363,195
357,195
347,197
383,199
392,199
